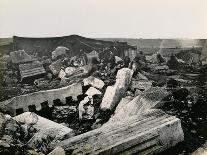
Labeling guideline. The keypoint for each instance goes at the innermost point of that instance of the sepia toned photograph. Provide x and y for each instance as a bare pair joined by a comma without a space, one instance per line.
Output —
103,77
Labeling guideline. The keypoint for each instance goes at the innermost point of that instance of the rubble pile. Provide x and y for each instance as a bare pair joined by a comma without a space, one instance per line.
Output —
66,96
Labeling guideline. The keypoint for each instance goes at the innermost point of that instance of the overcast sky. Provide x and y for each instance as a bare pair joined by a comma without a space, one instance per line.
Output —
104,18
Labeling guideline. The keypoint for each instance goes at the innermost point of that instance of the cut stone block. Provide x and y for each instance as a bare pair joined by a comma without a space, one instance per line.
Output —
154,132
94,82
24,101
116,92
150,99
45,127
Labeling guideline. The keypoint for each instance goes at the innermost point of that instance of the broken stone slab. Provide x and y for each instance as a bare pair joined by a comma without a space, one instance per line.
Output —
94,82
150,99
55,67
153,133
41,123
93,91
57,151
86,109
20,56
47,130
114,93
141,84
24,101
62,74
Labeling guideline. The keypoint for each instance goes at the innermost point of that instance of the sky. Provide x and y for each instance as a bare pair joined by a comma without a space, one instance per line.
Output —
104,18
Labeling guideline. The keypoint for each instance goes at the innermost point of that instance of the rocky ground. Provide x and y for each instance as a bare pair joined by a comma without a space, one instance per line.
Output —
187,101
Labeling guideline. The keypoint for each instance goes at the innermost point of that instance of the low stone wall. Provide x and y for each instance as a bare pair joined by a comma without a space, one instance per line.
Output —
36,98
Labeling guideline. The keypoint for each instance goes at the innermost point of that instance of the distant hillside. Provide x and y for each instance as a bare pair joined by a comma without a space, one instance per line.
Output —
159,43
5,41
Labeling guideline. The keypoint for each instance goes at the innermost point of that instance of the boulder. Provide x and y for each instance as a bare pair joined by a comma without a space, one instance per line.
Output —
94,82
57,151
93,91
59,51
114,93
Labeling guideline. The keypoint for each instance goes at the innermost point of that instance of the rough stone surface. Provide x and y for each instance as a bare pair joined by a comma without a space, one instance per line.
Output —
154,132
36,98
55,67
70,71
48,131
94,82
62,74
201,150
114,93
62,113
57,151
42,123
150,99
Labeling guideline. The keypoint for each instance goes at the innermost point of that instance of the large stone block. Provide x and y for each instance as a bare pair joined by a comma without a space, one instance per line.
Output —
150,133
47,130
24,101
116,92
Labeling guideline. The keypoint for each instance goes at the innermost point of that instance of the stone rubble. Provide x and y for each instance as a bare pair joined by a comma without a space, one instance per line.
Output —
81,95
